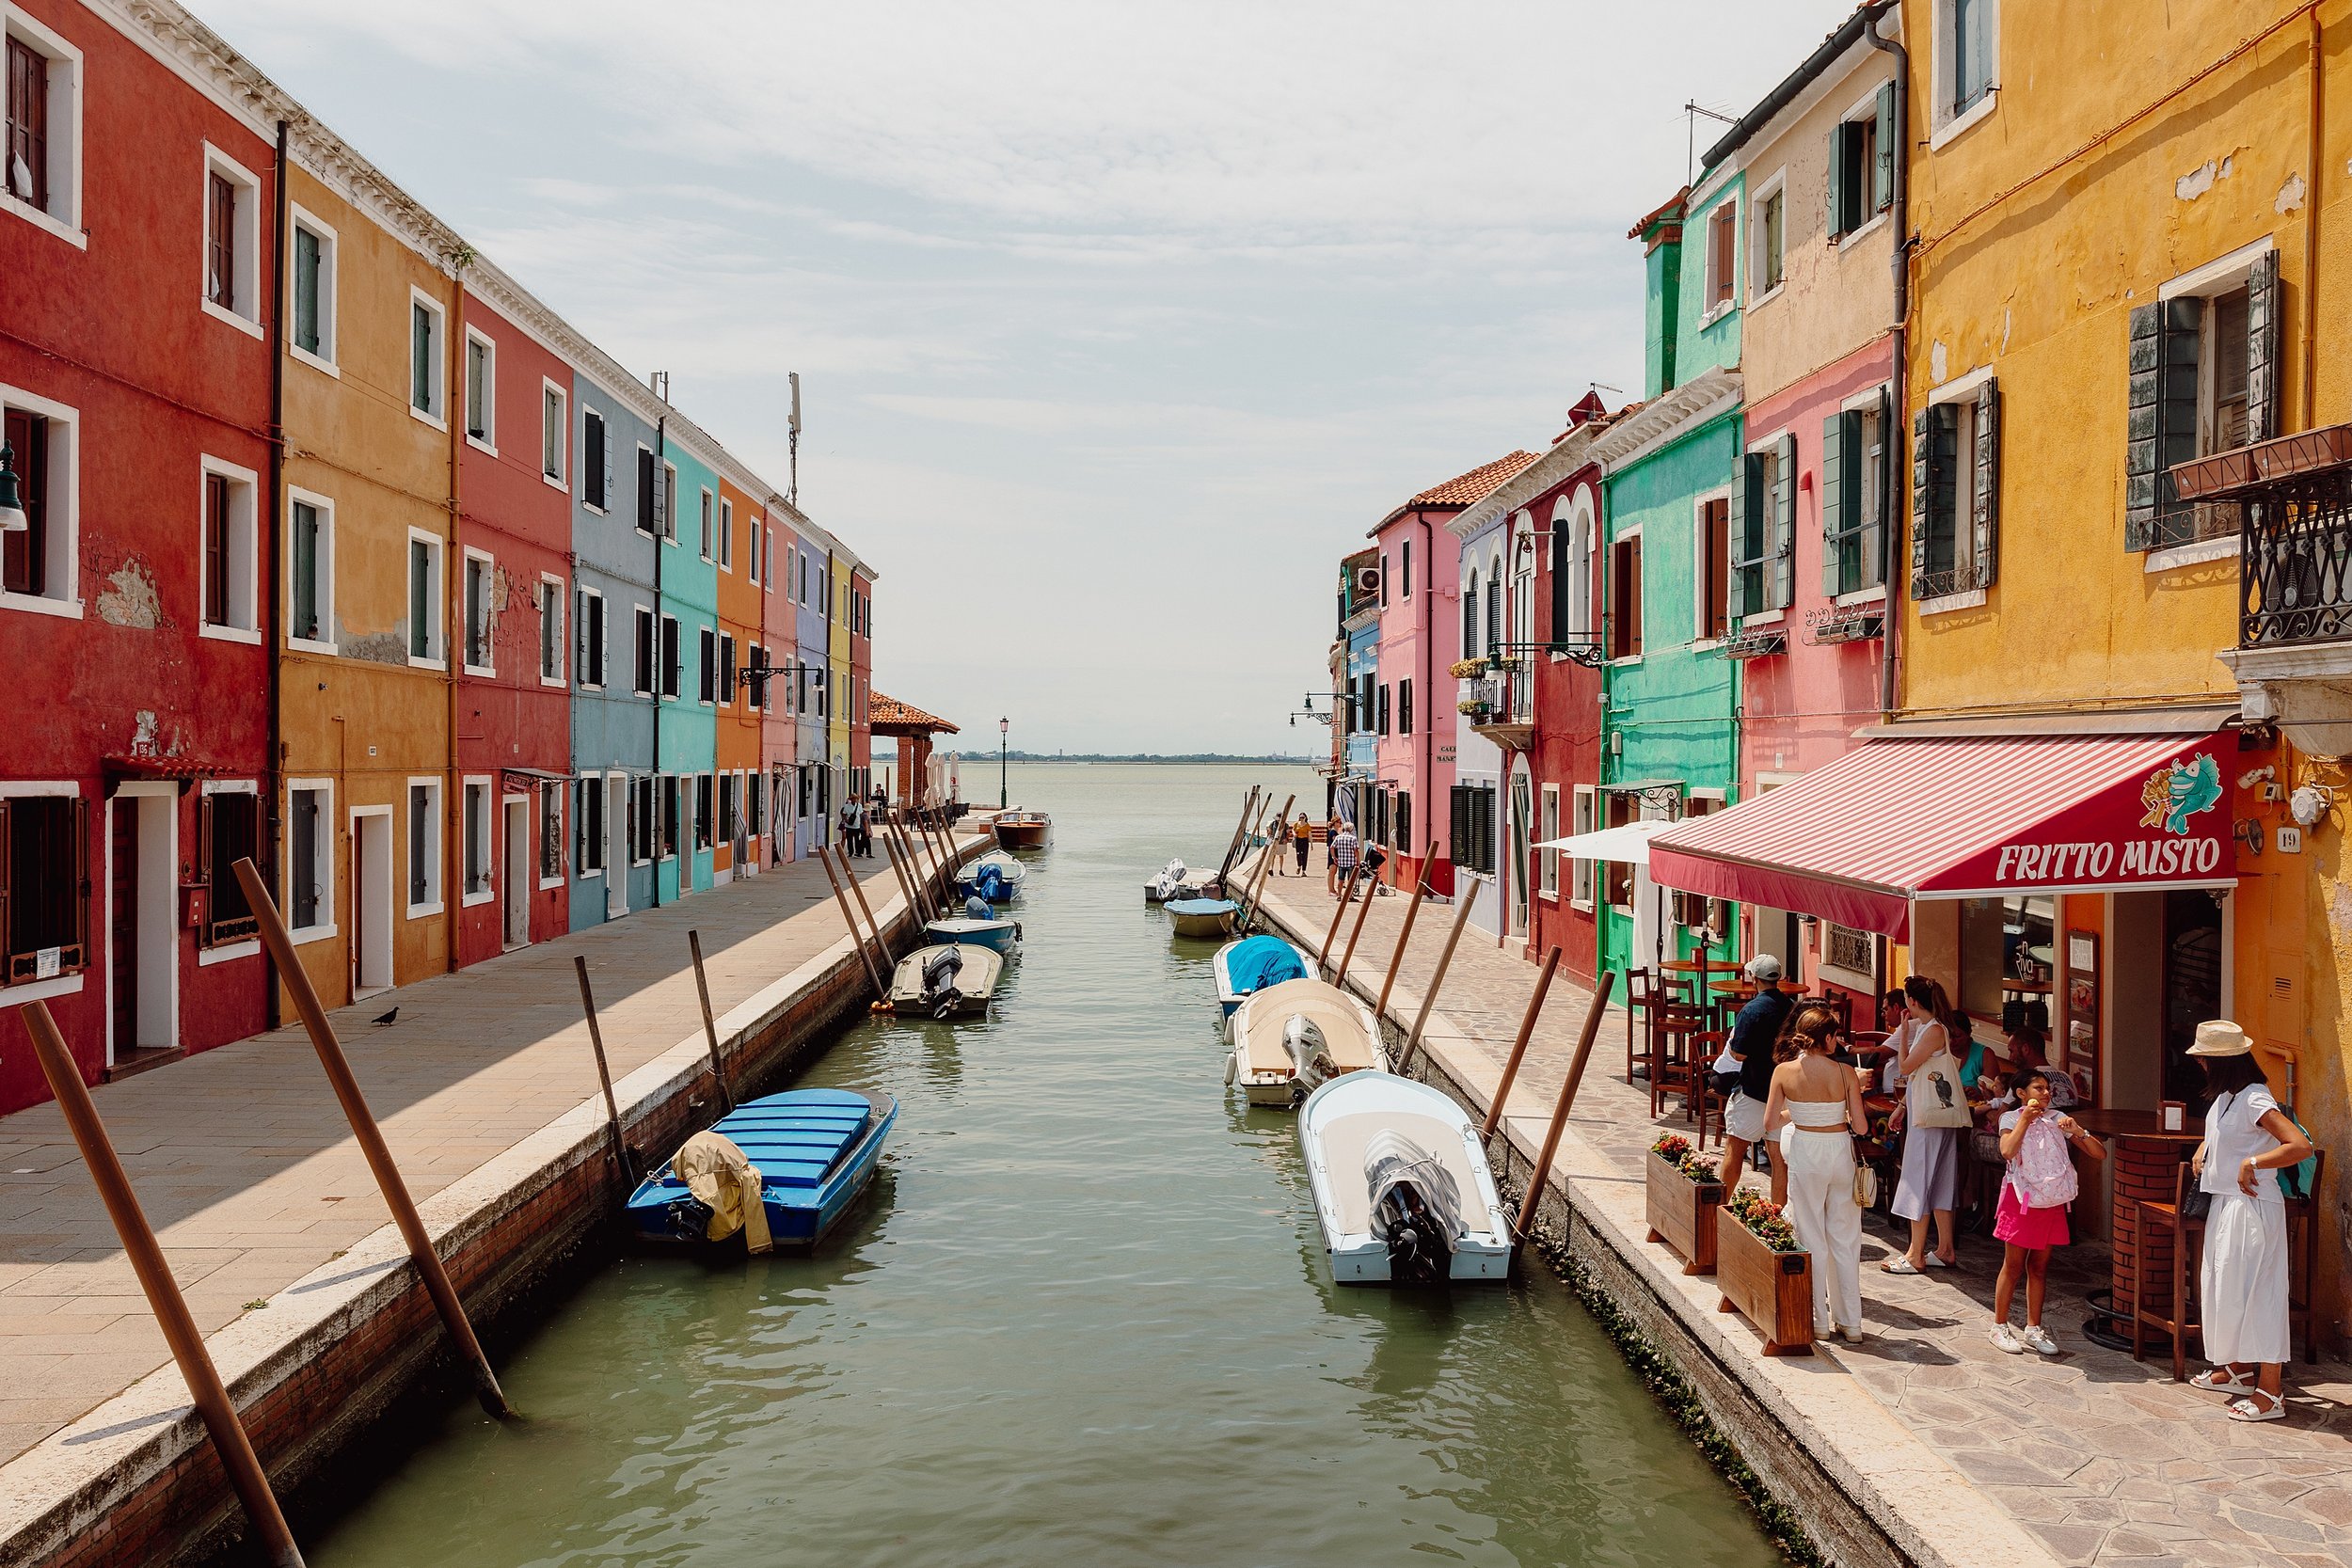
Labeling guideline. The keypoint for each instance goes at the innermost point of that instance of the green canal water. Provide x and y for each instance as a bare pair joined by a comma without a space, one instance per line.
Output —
1081,1319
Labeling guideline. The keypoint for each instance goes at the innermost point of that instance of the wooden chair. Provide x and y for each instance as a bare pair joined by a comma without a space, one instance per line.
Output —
1672,1069
2303,1216
1640,1000
1705,1047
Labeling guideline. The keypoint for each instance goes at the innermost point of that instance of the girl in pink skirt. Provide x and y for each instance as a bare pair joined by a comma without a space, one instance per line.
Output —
2035,1193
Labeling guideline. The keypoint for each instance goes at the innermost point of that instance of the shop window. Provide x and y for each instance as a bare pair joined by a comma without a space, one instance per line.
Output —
481,391
1955,493
428,376
2203,380
1861,165
311,571
228,830
44,886
550,833
232,217
37,561
1854,498
590,816
2007,963
478,851
228,566
424,848
1713,571
1762,525
313,285
1624,597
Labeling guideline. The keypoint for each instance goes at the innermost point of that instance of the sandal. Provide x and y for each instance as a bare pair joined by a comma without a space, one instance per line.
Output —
1899,1265
2219,1378
1937,1260
2246,1410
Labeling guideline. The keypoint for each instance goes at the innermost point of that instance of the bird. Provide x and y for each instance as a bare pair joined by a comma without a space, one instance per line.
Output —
384,1018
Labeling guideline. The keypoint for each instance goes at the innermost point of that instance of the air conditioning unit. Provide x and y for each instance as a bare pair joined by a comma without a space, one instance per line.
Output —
1368,579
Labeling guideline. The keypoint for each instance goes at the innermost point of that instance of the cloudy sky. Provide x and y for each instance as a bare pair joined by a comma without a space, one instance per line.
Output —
1118,324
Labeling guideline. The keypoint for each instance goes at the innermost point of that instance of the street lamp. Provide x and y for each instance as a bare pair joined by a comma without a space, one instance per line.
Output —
12,518
1003,794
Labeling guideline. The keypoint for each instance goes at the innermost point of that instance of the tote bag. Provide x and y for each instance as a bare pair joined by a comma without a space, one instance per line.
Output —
1936,1096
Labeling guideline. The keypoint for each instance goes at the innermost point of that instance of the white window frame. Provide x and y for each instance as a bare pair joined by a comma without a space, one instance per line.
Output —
1775,184
245,599
324,868
662,670
490,616
1961,389
436,416
555,592
488,440
1577,511
1895,492
707,521
665,503
556,433
603,662
751,688
643,619
325,592
67,75
1583,877
481,837
582,871
435,823
562,792
1863,108
1944,125
244,311
707,664
437,617
250,946
61,595
1548,866
326,359
726,535
1711,312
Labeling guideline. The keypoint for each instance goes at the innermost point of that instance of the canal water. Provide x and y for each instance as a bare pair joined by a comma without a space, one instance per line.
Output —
1083,1318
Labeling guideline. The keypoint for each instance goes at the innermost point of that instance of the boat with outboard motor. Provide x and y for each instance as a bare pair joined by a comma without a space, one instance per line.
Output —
1246,967
948,979
1017,828
995,876
1295,1034
1401,1188
782,1170
1201,917
1169,883
979,925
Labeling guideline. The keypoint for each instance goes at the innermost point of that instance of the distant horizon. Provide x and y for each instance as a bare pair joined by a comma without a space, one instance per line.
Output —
1189,759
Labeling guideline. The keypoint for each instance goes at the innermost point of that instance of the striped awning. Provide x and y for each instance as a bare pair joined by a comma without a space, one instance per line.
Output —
1857,840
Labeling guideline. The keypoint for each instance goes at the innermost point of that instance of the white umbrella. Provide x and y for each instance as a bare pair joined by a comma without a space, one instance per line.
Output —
1627,842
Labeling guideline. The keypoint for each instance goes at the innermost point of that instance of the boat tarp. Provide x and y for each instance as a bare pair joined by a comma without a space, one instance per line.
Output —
723,1180
987,881
1202,906
1257,963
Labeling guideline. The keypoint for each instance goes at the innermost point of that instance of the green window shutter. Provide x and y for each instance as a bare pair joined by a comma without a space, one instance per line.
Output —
1924,481
1985,511
1783,564
1735,539
419,599
1835,504
1837,135
306,291
2140,459
1883,176
306,569
2263,300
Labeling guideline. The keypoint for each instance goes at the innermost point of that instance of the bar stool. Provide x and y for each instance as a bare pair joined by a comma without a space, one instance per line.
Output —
1673,1071
1705,1047
2302,1215
1641,999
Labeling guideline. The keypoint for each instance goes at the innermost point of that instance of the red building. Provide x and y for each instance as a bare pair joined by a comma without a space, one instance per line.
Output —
136,327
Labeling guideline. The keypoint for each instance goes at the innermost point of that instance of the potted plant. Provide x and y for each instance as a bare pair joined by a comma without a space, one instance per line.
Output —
1682,1192
1474,709
1466,668
1765,1272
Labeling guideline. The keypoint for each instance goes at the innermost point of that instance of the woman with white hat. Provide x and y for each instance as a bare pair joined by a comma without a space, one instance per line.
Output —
2243,1288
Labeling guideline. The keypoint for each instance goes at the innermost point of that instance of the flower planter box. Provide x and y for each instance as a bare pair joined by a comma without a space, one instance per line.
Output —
1774,1290
1681,1214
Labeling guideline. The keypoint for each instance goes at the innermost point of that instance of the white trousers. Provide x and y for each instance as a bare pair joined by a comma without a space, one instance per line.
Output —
2245,1279
1827,1220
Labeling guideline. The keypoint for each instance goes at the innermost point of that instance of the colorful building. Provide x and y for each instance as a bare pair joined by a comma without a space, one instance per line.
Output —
1359,624
686,725
808,583
862,578
741,824
779,740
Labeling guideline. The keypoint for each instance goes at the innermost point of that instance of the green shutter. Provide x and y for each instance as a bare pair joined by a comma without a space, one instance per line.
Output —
1883,176
1784,551
1924,479
419,599
2140,457
1835,505
2262,350
1735,539
306,569
306,291
2181,321
1837,135
1984,514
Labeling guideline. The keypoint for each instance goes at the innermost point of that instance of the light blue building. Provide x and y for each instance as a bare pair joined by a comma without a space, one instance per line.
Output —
1356,709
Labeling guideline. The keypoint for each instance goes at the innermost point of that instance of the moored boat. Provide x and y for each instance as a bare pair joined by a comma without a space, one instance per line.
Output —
1024,829
1294,1035
1168,884
1403,1192
806,1153
995,876
1251,965
945,980
1201,917
994,933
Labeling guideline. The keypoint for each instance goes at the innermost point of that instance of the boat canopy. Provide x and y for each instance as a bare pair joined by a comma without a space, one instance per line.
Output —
1257,963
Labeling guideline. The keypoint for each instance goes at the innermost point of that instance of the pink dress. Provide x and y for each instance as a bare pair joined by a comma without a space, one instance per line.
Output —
2017,1222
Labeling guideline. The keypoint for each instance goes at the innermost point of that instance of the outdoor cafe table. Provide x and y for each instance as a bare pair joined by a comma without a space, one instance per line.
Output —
2145,1158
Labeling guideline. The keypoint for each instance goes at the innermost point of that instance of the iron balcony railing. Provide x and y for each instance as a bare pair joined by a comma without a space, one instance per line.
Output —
2294,538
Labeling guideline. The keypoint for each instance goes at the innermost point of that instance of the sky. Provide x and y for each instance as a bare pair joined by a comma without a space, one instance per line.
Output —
1117,324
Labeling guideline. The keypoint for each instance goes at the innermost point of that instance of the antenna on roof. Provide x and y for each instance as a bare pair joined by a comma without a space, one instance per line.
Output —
1692,109
659,382
792,485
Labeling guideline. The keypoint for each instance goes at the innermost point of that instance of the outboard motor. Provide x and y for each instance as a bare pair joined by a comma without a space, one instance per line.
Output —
988,882
940,970
1310,1058
1415,1209
977,908
1172,877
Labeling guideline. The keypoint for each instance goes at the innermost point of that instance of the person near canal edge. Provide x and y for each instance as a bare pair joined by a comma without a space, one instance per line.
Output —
1302,834
1749,1056
1345,849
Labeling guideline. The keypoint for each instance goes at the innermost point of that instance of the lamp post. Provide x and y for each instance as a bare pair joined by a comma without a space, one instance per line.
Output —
1004,793
12,518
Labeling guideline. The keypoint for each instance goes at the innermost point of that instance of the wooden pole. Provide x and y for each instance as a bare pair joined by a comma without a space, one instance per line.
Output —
857,889
1560,1110
710,1025
1348,955
1274,848
906,888
604,1070
1405,933
943,854
1429,998
1348,891
1518,1046
857,938
379,1156
162,1292
1248,801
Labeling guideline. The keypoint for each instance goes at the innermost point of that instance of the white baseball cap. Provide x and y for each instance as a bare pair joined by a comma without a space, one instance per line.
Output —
1762,967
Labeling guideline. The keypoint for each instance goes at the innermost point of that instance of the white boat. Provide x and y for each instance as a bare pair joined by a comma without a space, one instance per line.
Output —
950,979
1401,1185
1253,964
1166,885
1291,1037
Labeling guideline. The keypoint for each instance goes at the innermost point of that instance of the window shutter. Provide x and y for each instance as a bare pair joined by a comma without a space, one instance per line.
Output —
1784,568
1883,175
1837,135
1834,503
2262,350
1985,513
1740,506
1633,594
1494,615
205,862
2180,324
8,885
1457,836
1924,481
2139,460
77,957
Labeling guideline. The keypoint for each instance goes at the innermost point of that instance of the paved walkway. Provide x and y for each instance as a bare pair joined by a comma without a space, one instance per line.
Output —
250,1174
2107,1461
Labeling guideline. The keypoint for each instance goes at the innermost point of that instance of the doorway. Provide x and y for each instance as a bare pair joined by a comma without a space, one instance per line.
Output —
2193,958
142,944
519,877
371,900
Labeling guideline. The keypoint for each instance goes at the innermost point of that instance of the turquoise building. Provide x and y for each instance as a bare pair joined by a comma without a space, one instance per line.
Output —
686,735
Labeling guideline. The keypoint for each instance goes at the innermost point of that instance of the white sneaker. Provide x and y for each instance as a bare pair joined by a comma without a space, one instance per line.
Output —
2005,1338
2038,1338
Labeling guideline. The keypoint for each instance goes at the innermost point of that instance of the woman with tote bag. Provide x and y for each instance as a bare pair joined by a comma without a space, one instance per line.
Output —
1935,1126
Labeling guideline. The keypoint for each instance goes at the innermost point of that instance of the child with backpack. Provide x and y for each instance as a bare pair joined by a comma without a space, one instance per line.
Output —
2037,1189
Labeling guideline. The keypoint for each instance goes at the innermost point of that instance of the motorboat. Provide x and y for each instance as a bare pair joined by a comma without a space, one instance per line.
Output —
1297,1035
1201,917
995,876
1401,1188
1249,965
1024,829
782,1171
947,979
1166,885
980,926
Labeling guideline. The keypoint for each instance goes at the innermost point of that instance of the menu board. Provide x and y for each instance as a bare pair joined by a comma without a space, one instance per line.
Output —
2076,1049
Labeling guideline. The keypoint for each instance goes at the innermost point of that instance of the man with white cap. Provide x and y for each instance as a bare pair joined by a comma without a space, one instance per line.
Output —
1750,1054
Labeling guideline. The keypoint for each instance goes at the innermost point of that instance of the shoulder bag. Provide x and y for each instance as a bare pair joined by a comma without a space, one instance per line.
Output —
1936,1096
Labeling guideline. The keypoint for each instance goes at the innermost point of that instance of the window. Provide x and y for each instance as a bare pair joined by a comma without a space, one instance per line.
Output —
555,422
1548,829
228,830
591,639
595,462
1624,597
230,283
1843,947
706,540
644,828
1585,805
310,571
551,631
426,373
590,816
707,666
478,854
670,791
702,811
726,669
1405,569
551,794
1722,255
1713,572
1861,165
665,495
671,672
2203,381
1403,825
42,164
1763,530
313,286
728,822
1955,491
1473,828
1469,616
1854,498
482,388
754,676
309,857
1970,28
39,561
479,586
1404,707
424,848
44,886
229,552
1772,238
727,532
648,499
641,652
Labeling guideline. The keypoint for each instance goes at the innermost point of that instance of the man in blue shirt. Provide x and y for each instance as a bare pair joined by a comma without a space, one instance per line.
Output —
1750,1054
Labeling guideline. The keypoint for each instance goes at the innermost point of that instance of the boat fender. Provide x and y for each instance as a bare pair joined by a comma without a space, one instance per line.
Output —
722,1177
1230,1070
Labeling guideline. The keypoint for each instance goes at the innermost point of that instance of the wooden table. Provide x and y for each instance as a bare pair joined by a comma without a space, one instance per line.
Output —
2147,1158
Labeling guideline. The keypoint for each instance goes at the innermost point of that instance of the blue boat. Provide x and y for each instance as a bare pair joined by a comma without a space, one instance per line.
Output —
1246,967
994,933
995,876
816,1150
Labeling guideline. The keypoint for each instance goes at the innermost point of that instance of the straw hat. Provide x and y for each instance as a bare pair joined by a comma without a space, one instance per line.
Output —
2221,1037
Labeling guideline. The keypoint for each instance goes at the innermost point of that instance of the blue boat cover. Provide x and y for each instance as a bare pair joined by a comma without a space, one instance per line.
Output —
1256,962
987,881
796,1136
1201,906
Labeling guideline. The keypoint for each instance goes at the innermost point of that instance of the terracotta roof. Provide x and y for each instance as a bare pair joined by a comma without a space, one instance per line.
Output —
1471,488
1666,209
889,716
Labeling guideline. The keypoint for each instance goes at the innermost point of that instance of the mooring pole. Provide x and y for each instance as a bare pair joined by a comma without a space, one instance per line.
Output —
906,888
857,889
923,853
162,1292
857,938
1405,932
371,1139
1348,955
1429,998
1249,802
1518,1046
710,1025
621,1154
1273,850
1560,1111
1348,891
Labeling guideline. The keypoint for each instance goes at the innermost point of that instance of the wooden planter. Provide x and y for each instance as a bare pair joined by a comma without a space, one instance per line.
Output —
1773,1289
1681,1214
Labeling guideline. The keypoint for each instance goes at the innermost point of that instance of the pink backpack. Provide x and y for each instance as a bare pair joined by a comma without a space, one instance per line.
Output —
2044,1171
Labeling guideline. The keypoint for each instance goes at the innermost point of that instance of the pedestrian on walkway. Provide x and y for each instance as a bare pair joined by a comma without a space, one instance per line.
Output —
1753,1037
2031,1218
2249,1145
1817,1106
1302,839
1936,1127
1345,850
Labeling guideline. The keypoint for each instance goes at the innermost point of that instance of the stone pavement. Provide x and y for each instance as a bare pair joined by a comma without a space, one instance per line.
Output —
249,1175
2106,1460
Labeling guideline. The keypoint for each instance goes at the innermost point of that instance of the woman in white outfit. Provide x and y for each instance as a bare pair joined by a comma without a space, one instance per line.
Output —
1817,1104
2243,1288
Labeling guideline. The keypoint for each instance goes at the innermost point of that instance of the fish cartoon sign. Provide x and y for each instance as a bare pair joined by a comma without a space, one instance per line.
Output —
2179,790
2156,829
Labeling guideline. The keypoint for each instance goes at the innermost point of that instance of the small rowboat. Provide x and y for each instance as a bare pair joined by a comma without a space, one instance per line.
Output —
1401,1188
995,876
1201,917
948,979
807,1153
1251,965
1024,829
1291,1037
995,932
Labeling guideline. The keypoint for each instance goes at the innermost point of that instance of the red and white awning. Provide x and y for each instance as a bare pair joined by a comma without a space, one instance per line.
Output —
1857,840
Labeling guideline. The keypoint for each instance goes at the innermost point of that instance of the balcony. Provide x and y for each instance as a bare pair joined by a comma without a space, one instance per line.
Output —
1500,705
